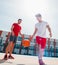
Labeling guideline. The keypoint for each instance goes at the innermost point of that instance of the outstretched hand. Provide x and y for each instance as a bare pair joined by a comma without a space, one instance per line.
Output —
30,38
22,36
50,35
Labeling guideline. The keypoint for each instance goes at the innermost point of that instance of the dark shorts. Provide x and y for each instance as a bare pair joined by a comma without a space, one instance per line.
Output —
13,39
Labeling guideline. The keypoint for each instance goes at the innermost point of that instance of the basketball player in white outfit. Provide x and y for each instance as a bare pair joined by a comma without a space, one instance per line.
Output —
40,29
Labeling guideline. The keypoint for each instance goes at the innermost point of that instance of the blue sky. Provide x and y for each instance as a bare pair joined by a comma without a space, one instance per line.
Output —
11,10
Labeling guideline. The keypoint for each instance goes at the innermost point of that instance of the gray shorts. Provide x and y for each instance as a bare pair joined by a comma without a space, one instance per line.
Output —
13,38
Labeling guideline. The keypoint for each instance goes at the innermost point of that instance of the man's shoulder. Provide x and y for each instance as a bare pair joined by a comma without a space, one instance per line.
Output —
45,22
36,23
14,23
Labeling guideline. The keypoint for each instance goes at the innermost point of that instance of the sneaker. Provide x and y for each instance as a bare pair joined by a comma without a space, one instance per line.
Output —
41,62
11,57
5,57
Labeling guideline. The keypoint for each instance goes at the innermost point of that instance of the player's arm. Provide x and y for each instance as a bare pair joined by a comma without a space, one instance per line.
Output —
22,35
12,29
49,29
33,34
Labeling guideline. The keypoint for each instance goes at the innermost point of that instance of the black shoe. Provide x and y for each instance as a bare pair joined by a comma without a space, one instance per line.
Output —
10,57
5,57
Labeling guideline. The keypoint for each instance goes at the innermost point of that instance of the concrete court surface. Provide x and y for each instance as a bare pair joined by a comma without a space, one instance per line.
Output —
27,60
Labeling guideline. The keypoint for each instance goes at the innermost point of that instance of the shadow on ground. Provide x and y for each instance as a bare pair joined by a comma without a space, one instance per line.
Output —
28,64
2,61
20,64
5,61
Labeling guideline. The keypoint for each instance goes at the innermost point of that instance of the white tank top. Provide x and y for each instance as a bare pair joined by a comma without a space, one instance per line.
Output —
41,29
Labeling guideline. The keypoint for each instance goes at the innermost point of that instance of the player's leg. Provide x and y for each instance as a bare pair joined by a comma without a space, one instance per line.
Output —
40,56
11,50
12,47
41,49
8,47
7,50
41,52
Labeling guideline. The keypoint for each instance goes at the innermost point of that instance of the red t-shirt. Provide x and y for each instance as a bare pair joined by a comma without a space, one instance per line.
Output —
16,29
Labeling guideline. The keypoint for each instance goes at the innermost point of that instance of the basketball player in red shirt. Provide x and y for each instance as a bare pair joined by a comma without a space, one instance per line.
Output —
15,31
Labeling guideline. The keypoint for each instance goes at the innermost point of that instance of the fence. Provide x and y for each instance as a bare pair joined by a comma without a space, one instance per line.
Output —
51,49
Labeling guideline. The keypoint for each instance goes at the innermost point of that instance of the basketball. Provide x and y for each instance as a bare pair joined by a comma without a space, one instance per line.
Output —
26,43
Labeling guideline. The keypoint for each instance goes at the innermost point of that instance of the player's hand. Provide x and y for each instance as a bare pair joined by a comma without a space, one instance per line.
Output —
22,36
12,33
30,38
50,34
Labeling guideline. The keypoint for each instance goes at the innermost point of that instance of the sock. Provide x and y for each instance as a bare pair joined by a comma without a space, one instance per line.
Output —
41,53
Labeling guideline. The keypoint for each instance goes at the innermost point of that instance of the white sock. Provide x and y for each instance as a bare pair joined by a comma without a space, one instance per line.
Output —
41,53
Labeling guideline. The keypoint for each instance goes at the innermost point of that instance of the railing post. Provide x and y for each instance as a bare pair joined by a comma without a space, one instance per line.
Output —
54,47
1,32
48,46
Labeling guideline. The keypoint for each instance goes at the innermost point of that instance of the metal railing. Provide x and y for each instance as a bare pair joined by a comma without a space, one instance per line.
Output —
50,50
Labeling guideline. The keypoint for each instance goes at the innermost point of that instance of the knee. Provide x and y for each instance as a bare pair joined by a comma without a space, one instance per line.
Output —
6,48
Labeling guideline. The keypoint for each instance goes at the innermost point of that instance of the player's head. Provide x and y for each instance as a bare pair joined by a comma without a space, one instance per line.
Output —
39,17
19,21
